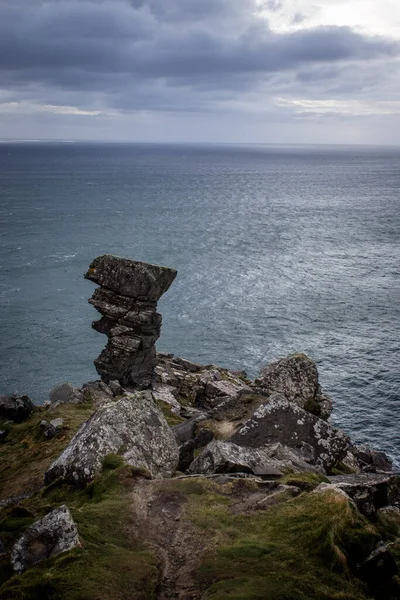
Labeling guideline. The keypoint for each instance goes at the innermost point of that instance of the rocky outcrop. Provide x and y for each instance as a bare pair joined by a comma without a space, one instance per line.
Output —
16,408
281,421
269,461
370,491
204,387
370,460
127,300
296,378
52,535
133,427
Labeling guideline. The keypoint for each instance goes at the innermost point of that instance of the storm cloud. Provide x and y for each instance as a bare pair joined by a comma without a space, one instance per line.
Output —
110,58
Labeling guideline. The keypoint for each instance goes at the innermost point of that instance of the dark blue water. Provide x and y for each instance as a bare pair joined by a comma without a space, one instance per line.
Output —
278,249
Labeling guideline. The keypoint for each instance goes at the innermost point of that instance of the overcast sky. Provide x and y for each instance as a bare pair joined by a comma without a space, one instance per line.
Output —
270,71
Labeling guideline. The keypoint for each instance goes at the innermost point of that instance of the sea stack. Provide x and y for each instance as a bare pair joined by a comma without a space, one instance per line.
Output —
127,300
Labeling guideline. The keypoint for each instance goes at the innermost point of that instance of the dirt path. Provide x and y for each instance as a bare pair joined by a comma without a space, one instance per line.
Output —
158,515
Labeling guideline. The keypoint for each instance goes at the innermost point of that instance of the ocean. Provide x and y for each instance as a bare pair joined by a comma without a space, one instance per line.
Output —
279,249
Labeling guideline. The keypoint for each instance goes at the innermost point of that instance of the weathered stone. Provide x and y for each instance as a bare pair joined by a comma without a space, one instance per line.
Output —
51,429
130,278
65,393
57,423
3,435
296,378
379,567
116,388
48,430
226,457
281,421
52,535
369,491
164,393
187,430
371,460
187,449
127,301
16,408
133,427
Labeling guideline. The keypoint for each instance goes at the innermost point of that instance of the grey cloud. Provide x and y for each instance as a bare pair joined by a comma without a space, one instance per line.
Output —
167,54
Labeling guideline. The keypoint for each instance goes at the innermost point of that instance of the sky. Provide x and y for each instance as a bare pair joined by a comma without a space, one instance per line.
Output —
224,71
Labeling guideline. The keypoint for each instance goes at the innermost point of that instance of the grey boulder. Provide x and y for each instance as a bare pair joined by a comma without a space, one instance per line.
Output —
226,457
52,535
281,421
296,378
133,427
16,408
65,393
370,491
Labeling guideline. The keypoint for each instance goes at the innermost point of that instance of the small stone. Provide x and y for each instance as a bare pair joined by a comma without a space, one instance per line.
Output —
57,423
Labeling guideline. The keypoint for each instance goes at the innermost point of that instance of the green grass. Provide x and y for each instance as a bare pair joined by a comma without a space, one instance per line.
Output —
112,563
27,453
171,418
303,549
305,481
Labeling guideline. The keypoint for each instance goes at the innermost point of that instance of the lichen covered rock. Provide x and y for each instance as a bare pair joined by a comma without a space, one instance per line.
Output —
296,378
52,535
133,427
226,457
281,421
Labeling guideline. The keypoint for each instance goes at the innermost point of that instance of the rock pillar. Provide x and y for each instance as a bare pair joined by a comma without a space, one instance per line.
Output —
127,300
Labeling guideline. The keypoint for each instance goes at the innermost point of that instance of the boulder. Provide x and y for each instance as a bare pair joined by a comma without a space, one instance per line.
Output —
52,535
127,301
281,421
133,427
269,461
370,460
370,491
65,393
16,408
296,378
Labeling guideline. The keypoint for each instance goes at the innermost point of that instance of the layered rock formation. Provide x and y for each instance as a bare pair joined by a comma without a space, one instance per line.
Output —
127,300
205,472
